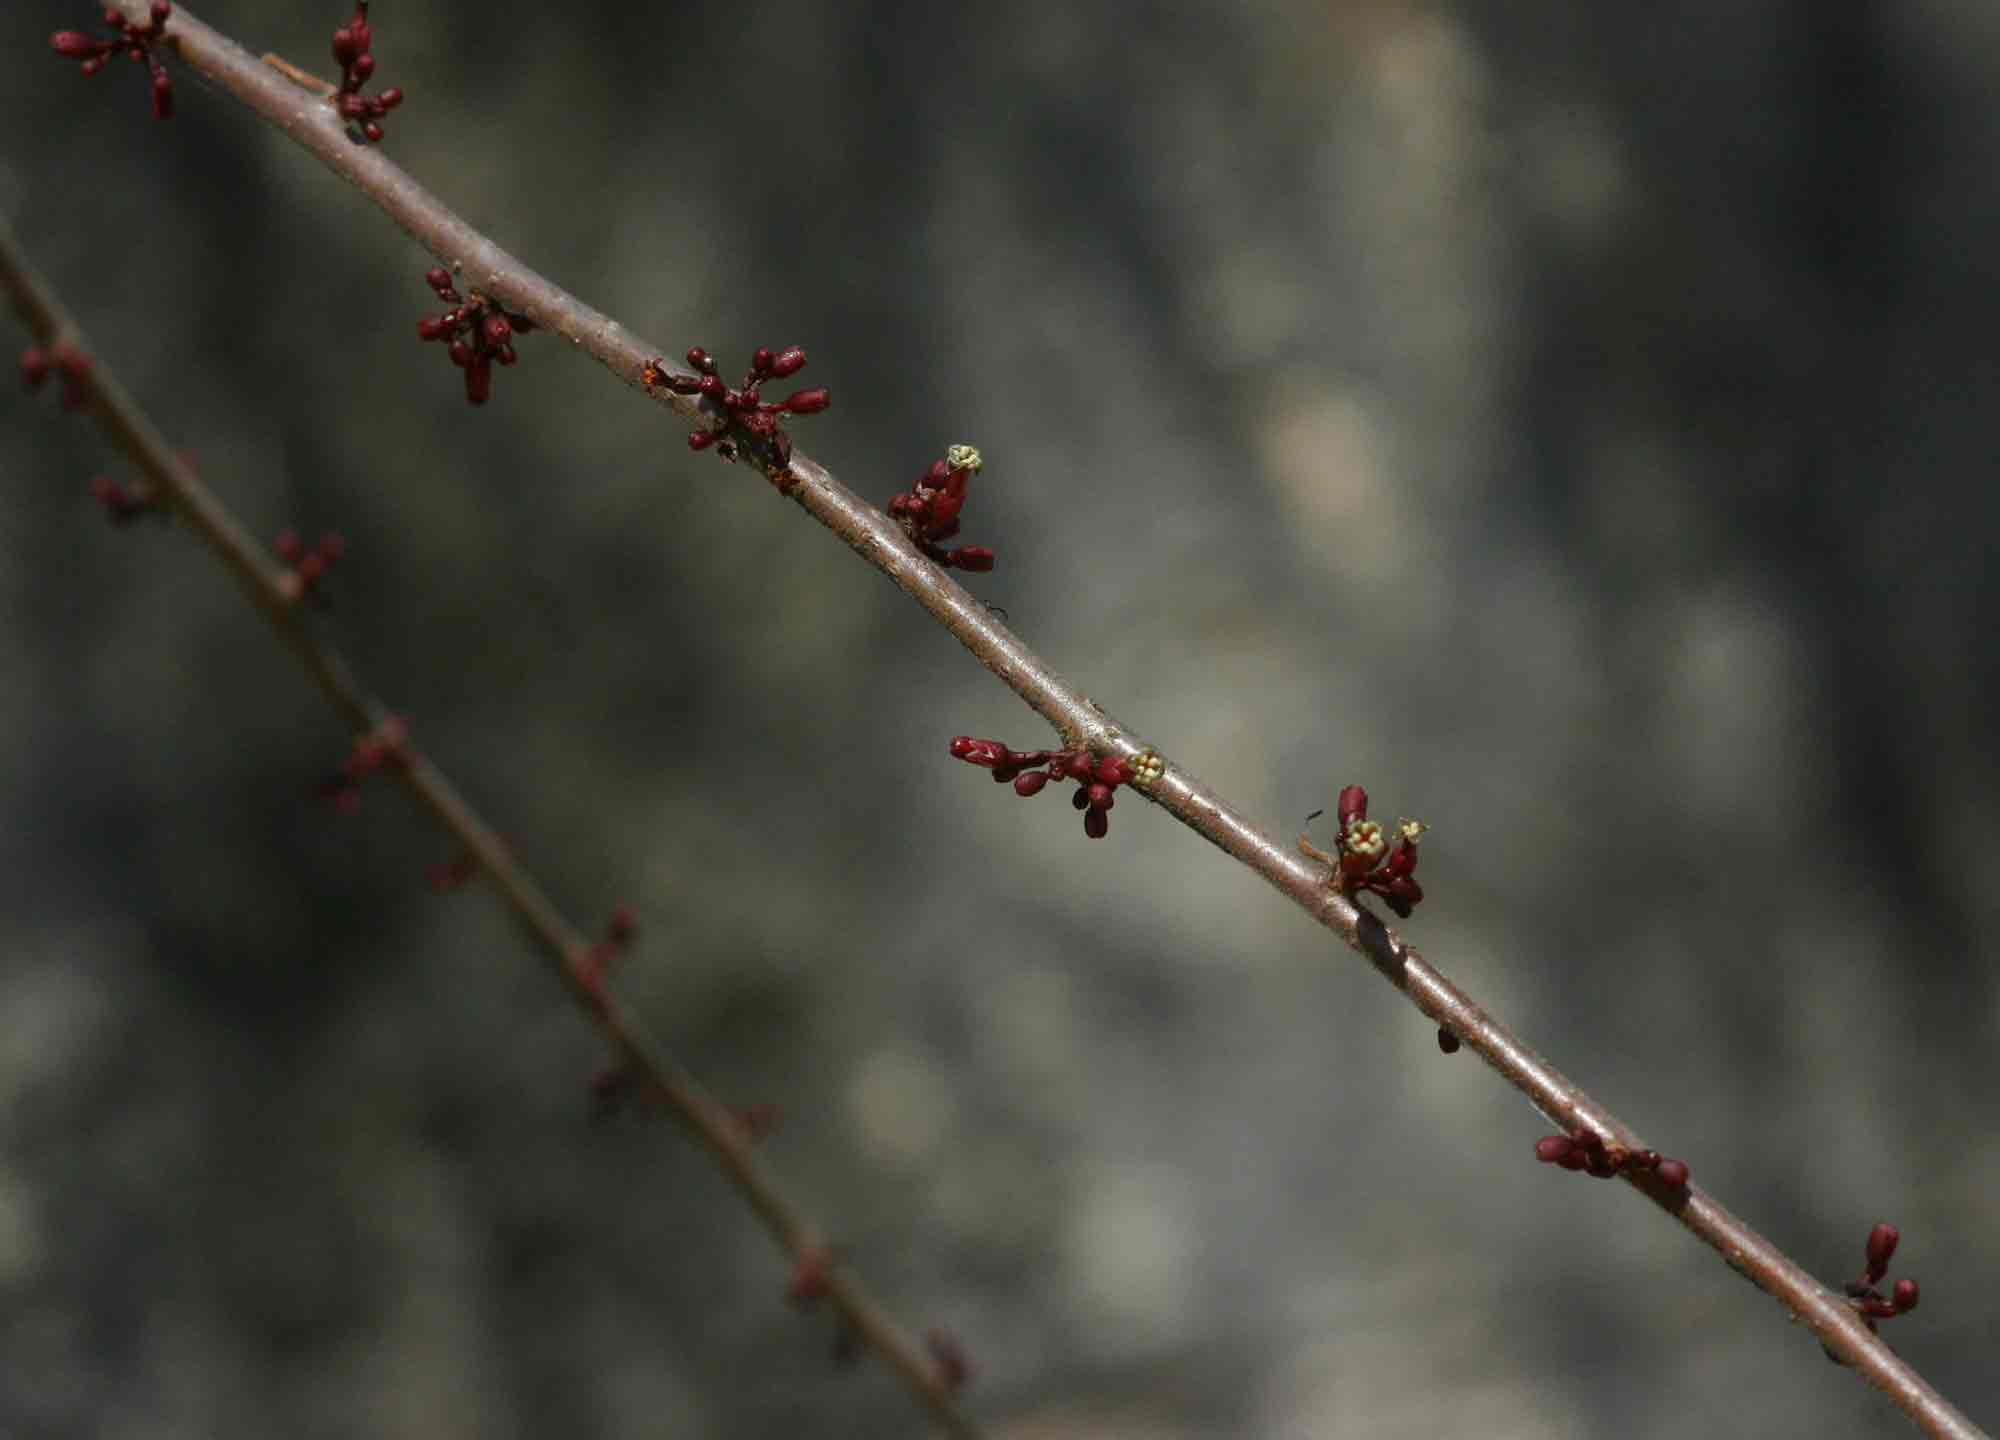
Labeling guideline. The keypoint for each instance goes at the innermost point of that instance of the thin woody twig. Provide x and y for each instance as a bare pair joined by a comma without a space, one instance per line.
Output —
1077,720
174,486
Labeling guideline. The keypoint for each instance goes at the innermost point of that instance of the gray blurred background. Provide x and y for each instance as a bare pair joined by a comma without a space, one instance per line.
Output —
1576,422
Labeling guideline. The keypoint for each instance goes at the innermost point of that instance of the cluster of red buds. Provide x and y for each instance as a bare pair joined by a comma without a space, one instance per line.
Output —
363,113
811,1282
1587,1151
386,747
1097,777
593,962
478,332
64,359
928,510
1366,860
122,506
454,874
134,41
740,417
1868,1301
308,565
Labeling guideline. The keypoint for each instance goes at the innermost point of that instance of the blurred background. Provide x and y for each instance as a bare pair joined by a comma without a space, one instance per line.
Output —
1574,422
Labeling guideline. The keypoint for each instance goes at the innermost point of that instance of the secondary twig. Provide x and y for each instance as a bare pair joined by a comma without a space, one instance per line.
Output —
174,487
878,539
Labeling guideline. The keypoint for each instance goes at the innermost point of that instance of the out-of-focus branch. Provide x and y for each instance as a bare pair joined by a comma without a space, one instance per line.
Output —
173,486
313,124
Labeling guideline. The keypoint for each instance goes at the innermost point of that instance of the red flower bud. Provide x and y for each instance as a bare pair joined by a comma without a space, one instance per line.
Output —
1881,1248
1673,1174
1551,1149
972,557
1031,782
72,46
978,752
807,402
788,361
1096,824
1352,805
1904,1296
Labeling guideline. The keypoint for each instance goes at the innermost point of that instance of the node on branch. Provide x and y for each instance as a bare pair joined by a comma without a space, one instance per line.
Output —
308,566
1030,770
1365,860
928,510
740,419
477,331
386,747
1868,1300
363,113
65,360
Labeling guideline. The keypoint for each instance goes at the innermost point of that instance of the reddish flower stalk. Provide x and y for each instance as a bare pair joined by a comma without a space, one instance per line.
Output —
478,332
928,510
135,41
739,418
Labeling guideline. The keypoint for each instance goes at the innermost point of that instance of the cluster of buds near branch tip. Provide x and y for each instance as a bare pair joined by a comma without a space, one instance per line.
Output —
1868,1301
386,747
1366,860
363,113
928,510
1096,776
61,358
136,42
478,331
740,417
1586,1151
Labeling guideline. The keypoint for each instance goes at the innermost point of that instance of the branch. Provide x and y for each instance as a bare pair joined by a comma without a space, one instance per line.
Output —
314,124
641,1058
